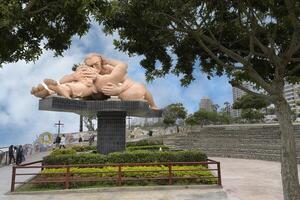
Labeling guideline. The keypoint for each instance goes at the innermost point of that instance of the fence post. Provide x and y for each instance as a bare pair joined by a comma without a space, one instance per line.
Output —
13,179
219,174
67,178
119,175
170,174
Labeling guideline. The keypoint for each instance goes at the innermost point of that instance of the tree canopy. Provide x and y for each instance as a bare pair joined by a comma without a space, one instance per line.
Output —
203,117
29,26
252,115
250,101
174,112
248,40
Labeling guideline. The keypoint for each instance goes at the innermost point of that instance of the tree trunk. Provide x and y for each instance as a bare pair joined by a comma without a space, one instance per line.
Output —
289,171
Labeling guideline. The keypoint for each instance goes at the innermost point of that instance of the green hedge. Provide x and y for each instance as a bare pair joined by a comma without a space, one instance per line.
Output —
82,148
150,148
126,157
67,151
144,143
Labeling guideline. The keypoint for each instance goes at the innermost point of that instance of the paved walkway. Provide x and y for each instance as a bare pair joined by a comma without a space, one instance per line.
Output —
242,180
251,179
6,172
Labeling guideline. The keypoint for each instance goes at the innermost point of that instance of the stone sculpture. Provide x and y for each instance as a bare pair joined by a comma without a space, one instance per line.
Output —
98,76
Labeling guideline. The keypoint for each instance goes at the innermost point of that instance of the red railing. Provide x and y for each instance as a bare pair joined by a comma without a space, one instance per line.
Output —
120,177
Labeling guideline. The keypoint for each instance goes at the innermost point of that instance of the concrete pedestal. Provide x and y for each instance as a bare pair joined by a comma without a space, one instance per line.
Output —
111,133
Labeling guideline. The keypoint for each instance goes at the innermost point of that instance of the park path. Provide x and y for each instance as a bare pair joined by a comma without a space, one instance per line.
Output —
251,179
6,172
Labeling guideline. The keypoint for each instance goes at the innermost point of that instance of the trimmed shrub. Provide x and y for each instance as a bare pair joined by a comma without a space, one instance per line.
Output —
67,151
84,158
144,143
149,148
84,148
127,157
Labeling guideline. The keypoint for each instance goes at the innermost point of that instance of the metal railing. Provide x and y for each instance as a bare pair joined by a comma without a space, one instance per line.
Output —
67,176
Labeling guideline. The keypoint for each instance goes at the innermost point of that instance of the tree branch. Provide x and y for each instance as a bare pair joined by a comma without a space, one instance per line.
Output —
39,10
201,38
247,65
295,59
227,51
29,5
294,46
214,56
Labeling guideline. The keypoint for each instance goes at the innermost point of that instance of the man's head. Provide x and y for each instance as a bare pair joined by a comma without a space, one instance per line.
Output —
94,60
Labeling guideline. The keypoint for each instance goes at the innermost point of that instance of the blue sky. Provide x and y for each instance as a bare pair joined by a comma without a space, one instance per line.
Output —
21,121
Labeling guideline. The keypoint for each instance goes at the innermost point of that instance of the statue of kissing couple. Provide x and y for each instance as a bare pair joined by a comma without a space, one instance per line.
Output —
97,77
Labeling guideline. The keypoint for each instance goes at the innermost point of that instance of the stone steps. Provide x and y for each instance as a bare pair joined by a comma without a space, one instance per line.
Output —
224,140
232,142
270,156
256,156
231,146
223,135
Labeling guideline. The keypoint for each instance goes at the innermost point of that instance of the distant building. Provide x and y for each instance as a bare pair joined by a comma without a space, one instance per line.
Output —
292,96
206,104
236,94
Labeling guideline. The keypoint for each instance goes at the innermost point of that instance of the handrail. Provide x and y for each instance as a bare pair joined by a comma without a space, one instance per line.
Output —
117,164
30,163
120,175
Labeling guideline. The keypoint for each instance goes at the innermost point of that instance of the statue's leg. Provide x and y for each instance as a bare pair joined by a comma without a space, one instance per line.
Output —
62,90
40,91
149,98
138,91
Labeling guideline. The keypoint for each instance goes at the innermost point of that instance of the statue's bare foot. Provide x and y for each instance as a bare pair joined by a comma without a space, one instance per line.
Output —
154,107
40,91
59,89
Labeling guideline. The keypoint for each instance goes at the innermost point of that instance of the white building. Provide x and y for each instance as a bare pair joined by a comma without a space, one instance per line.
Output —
206,104
291,93
292,96
238,93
